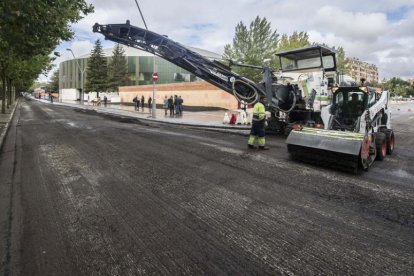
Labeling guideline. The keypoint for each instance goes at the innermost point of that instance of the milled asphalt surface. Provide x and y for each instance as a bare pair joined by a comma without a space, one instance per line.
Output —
84,193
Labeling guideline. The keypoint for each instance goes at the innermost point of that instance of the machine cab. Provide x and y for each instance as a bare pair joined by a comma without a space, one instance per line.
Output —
348,105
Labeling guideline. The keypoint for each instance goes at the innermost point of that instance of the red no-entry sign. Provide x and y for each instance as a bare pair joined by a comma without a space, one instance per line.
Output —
155,76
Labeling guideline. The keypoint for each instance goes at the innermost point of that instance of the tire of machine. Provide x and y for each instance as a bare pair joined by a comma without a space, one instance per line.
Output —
389,134
381,145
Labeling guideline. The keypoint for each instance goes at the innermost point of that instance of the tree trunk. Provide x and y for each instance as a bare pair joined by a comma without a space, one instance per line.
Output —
14,94
3,93
9,92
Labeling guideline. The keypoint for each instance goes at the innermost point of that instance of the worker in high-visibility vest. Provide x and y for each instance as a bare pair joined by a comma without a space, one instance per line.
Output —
258,125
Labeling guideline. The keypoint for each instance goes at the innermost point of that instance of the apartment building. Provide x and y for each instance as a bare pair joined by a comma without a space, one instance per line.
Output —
360,69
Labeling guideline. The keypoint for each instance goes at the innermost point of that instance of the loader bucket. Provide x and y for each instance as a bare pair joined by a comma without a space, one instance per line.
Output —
338,149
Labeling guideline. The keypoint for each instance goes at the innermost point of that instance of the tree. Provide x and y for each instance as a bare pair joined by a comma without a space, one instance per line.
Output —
342,63
296,40
54,81
47,22
117,69
399,87
97,71
251,46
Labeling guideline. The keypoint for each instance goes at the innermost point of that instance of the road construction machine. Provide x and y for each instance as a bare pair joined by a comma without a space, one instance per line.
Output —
357,130
289,102
298,97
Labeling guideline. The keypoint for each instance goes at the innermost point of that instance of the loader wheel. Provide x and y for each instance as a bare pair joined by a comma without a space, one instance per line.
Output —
381,144
389,134
368,153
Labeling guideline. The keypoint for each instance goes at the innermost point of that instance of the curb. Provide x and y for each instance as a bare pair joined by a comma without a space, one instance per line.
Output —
6,128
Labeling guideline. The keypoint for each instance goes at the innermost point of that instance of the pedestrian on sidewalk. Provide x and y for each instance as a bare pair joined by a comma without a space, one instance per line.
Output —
165,104
171,105
258,125
176,105
105,100
180,105
149,104
142,103
136,103
51,97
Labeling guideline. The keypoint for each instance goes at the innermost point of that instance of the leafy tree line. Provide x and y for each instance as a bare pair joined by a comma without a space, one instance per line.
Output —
29,31
399,87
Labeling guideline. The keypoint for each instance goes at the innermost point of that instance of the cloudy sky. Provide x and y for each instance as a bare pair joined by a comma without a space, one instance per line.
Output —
380,32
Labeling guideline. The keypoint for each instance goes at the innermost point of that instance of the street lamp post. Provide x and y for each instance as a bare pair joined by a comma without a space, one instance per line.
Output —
81,71
154,79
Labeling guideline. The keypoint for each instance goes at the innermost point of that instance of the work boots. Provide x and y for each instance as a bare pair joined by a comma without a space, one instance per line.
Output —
260,147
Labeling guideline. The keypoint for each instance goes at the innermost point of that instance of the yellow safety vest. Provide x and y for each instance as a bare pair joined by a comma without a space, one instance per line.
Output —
259,112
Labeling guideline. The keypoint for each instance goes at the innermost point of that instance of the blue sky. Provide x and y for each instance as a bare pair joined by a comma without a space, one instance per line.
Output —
380,32
397,14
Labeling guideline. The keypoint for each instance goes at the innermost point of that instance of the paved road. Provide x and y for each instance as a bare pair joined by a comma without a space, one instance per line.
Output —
92,195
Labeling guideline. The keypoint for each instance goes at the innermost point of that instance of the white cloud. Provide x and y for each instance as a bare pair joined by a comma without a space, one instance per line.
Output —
376,31
351,25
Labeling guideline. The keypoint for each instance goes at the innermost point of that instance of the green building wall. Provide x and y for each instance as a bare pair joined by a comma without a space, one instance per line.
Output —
140,69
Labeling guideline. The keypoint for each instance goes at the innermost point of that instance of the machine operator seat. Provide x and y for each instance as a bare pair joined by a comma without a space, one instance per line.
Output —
354,108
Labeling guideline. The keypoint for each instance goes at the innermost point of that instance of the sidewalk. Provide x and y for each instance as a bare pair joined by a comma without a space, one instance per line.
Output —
210,119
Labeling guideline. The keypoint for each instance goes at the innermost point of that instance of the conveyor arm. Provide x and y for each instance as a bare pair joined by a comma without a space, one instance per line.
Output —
213,72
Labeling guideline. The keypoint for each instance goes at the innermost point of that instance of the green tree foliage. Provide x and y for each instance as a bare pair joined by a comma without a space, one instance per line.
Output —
251,46
117,69
296,40
54,81
29,31
399,87
97,71
342,63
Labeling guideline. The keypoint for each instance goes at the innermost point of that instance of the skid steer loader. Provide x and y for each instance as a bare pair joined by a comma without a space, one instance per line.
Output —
357,130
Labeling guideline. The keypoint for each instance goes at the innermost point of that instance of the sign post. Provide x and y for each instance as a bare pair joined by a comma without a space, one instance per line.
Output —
154,104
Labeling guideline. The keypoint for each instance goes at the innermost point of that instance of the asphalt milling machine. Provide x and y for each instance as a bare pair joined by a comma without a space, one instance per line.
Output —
335,134
287,103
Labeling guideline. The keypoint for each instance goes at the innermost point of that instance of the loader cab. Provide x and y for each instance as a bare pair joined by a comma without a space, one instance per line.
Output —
348,105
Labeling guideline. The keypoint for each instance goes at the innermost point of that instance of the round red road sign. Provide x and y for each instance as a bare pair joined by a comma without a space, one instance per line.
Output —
155,76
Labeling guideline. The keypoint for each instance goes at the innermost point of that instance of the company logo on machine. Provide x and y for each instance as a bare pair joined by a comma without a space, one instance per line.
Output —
218,74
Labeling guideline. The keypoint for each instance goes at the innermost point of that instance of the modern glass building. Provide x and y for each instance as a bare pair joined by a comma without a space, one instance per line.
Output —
140,68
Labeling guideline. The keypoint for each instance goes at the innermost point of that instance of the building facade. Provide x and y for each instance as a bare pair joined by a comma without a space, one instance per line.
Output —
360,69
141,65
195,94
